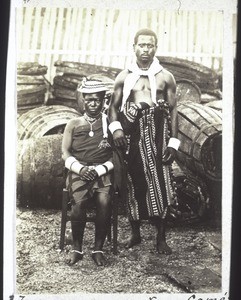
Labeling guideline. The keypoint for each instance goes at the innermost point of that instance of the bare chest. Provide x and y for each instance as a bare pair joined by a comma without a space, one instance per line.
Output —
142,90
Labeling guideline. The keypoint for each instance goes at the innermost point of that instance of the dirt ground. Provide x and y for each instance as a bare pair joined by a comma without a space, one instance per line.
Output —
194,265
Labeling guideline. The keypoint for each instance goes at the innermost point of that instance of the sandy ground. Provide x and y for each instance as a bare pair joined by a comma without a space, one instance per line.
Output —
194,265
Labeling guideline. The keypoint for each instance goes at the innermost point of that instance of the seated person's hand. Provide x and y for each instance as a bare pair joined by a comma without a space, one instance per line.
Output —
88,174
169,156
119,138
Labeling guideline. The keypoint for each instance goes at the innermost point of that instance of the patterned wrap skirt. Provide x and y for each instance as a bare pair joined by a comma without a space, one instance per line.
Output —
149,184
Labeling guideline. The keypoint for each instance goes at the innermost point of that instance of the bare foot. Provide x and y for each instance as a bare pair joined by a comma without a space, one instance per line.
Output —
76,256
134,240
98,258
162,247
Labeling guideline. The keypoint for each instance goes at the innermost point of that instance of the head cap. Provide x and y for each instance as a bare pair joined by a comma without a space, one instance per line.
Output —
89,86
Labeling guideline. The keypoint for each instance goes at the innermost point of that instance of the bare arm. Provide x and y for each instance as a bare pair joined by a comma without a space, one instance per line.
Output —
171,92
116,98
67,140
170,152
116,101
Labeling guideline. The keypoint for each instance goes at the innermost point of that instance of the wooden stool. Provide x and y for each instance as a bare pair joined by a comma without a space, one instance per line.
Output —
113,226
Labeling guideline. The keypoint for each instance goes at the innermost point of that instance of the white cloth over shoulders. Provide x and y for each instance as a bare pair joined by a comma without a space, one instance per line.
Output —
135,74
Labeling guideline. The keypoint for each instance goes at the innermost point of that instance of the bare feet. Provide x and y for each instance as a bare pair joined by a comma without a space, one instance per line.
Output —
98,258
162,247
134,240
76,256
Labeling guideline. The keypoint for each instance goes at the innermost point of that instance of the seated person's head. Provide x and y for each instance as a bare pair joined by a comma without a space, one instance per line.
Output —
93,97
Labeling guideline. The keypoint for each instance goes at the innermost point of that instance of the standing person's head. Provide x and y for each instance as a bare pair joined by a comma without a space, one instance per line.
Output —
93,93
145,45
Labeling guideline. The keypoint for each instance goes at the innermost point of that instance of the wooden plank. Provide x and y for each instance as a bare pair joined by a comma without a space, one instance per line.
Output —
50,44
206,32
44,35
64,93
86,33
27,26
57,40
190,37
31,99
36,27
31,68
97,16
184,32
124,19
67,32
25,79
167,46
30,89
143,19
219,35
73,29
154,23
59,28
100,37
78,30
109,40
198,36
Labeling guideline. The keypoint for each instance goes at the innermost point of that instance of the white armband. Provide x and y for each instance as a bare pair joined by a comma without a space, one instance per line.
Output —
174,143
105,168
100,170
69,161
109,165
114,126
73,165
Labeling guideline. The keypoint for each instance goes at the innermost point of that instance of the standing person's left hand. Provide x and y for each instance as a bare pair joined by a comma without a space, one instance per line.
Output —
169,156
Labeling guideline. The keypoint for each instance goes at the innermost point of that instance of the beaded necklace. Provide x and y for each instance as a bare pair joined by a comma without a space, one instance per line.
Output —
92,120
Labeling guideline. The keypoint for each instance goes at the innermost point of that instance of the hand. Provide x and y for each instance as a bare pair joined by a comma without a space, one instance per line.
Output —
119,138
143,105
88,174
169,156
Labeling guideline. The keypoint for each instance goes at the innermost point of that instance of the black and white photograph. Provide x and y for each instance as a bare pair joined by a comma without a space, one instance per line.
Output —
119,149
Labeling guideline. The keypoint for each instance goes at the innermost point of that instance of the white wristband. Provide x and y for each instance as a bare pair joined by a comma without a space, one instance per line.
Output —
109,165
69,161
76,167
73,165
114,126
174,143
100,170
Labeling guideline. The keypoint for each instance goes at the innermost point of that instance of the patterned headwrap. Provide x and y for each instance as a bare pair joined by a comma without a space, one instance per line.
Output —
89,86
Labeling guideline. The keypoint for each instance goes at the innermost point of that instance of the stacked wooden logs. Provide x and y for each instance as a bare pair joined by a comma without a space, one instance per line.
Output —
195,82
207,79
31,85
69,76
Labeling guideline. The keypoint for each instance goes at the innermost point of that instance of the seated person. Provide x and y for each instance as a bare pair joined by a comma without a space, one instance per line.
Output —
88,157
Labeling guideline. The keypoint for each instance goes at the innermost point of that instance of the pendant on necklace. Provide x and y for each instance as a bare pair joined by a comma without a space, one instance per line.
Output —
91,133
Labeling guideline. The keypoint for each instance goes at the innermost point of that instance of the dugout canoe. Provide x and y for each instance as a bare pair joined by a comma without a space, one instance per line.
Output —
40,172
200,133
44,120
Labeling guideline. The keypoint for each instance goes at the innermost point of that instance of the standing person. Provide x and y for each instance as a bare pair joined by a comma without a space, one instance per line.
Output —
143,120
88,157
